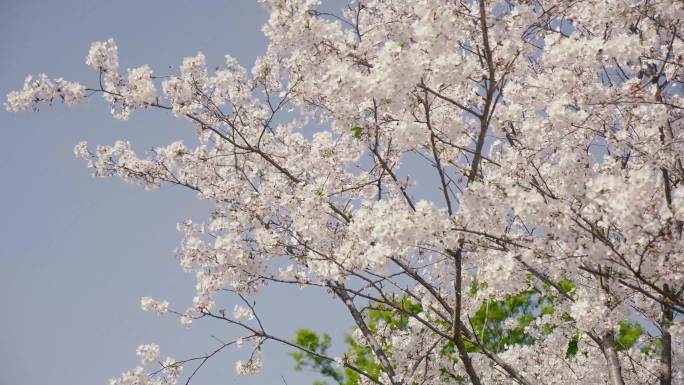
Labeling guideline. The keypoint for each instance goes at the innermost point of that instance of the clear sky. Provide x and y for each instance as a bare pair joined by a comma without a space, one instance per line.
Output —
77,252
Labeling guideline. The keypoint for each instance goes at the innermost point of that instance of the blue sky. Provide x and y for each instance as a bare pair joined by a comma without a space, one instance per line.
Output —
77,252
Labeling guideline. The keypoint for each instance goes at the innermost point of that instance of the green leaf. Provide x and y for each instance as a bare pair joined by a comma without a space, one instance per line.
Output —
319,344
629,333
547,310
572,346
357,131
566,285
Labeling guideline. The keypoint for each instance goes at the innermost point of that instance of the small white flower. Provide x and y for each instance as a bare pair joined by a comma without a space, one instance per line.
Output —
242,313
81,150
103,55
148,353
186,320
149,304
251,367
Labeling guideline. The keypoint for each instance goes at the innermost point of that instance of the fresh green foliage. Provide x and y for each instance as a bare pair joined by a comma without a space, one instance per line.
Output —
628,334
359,356
394,318
363,359
566,285
572,346
357,131
317,344
488,321
489,324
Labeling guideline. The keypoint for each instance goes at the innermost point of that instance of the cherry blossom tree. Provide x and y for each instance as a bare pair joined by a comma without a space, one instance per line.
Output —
492,189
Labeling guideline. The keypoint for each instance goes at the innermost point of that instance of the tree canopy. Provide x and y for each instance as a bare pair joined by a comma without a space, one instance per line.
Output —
492,189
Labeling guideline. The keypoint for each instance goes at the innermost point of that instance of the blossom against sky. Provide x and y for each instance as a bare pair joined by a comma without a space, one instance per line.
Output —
62,231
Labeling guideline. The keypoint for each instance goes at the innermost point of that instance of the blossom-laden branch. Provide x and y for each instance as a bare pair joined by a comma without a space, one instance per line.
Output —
492,189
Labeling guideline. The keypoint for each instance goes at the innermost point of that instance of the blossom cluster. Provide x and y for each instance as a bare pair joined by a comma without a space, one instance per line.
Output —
439,160
44,89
